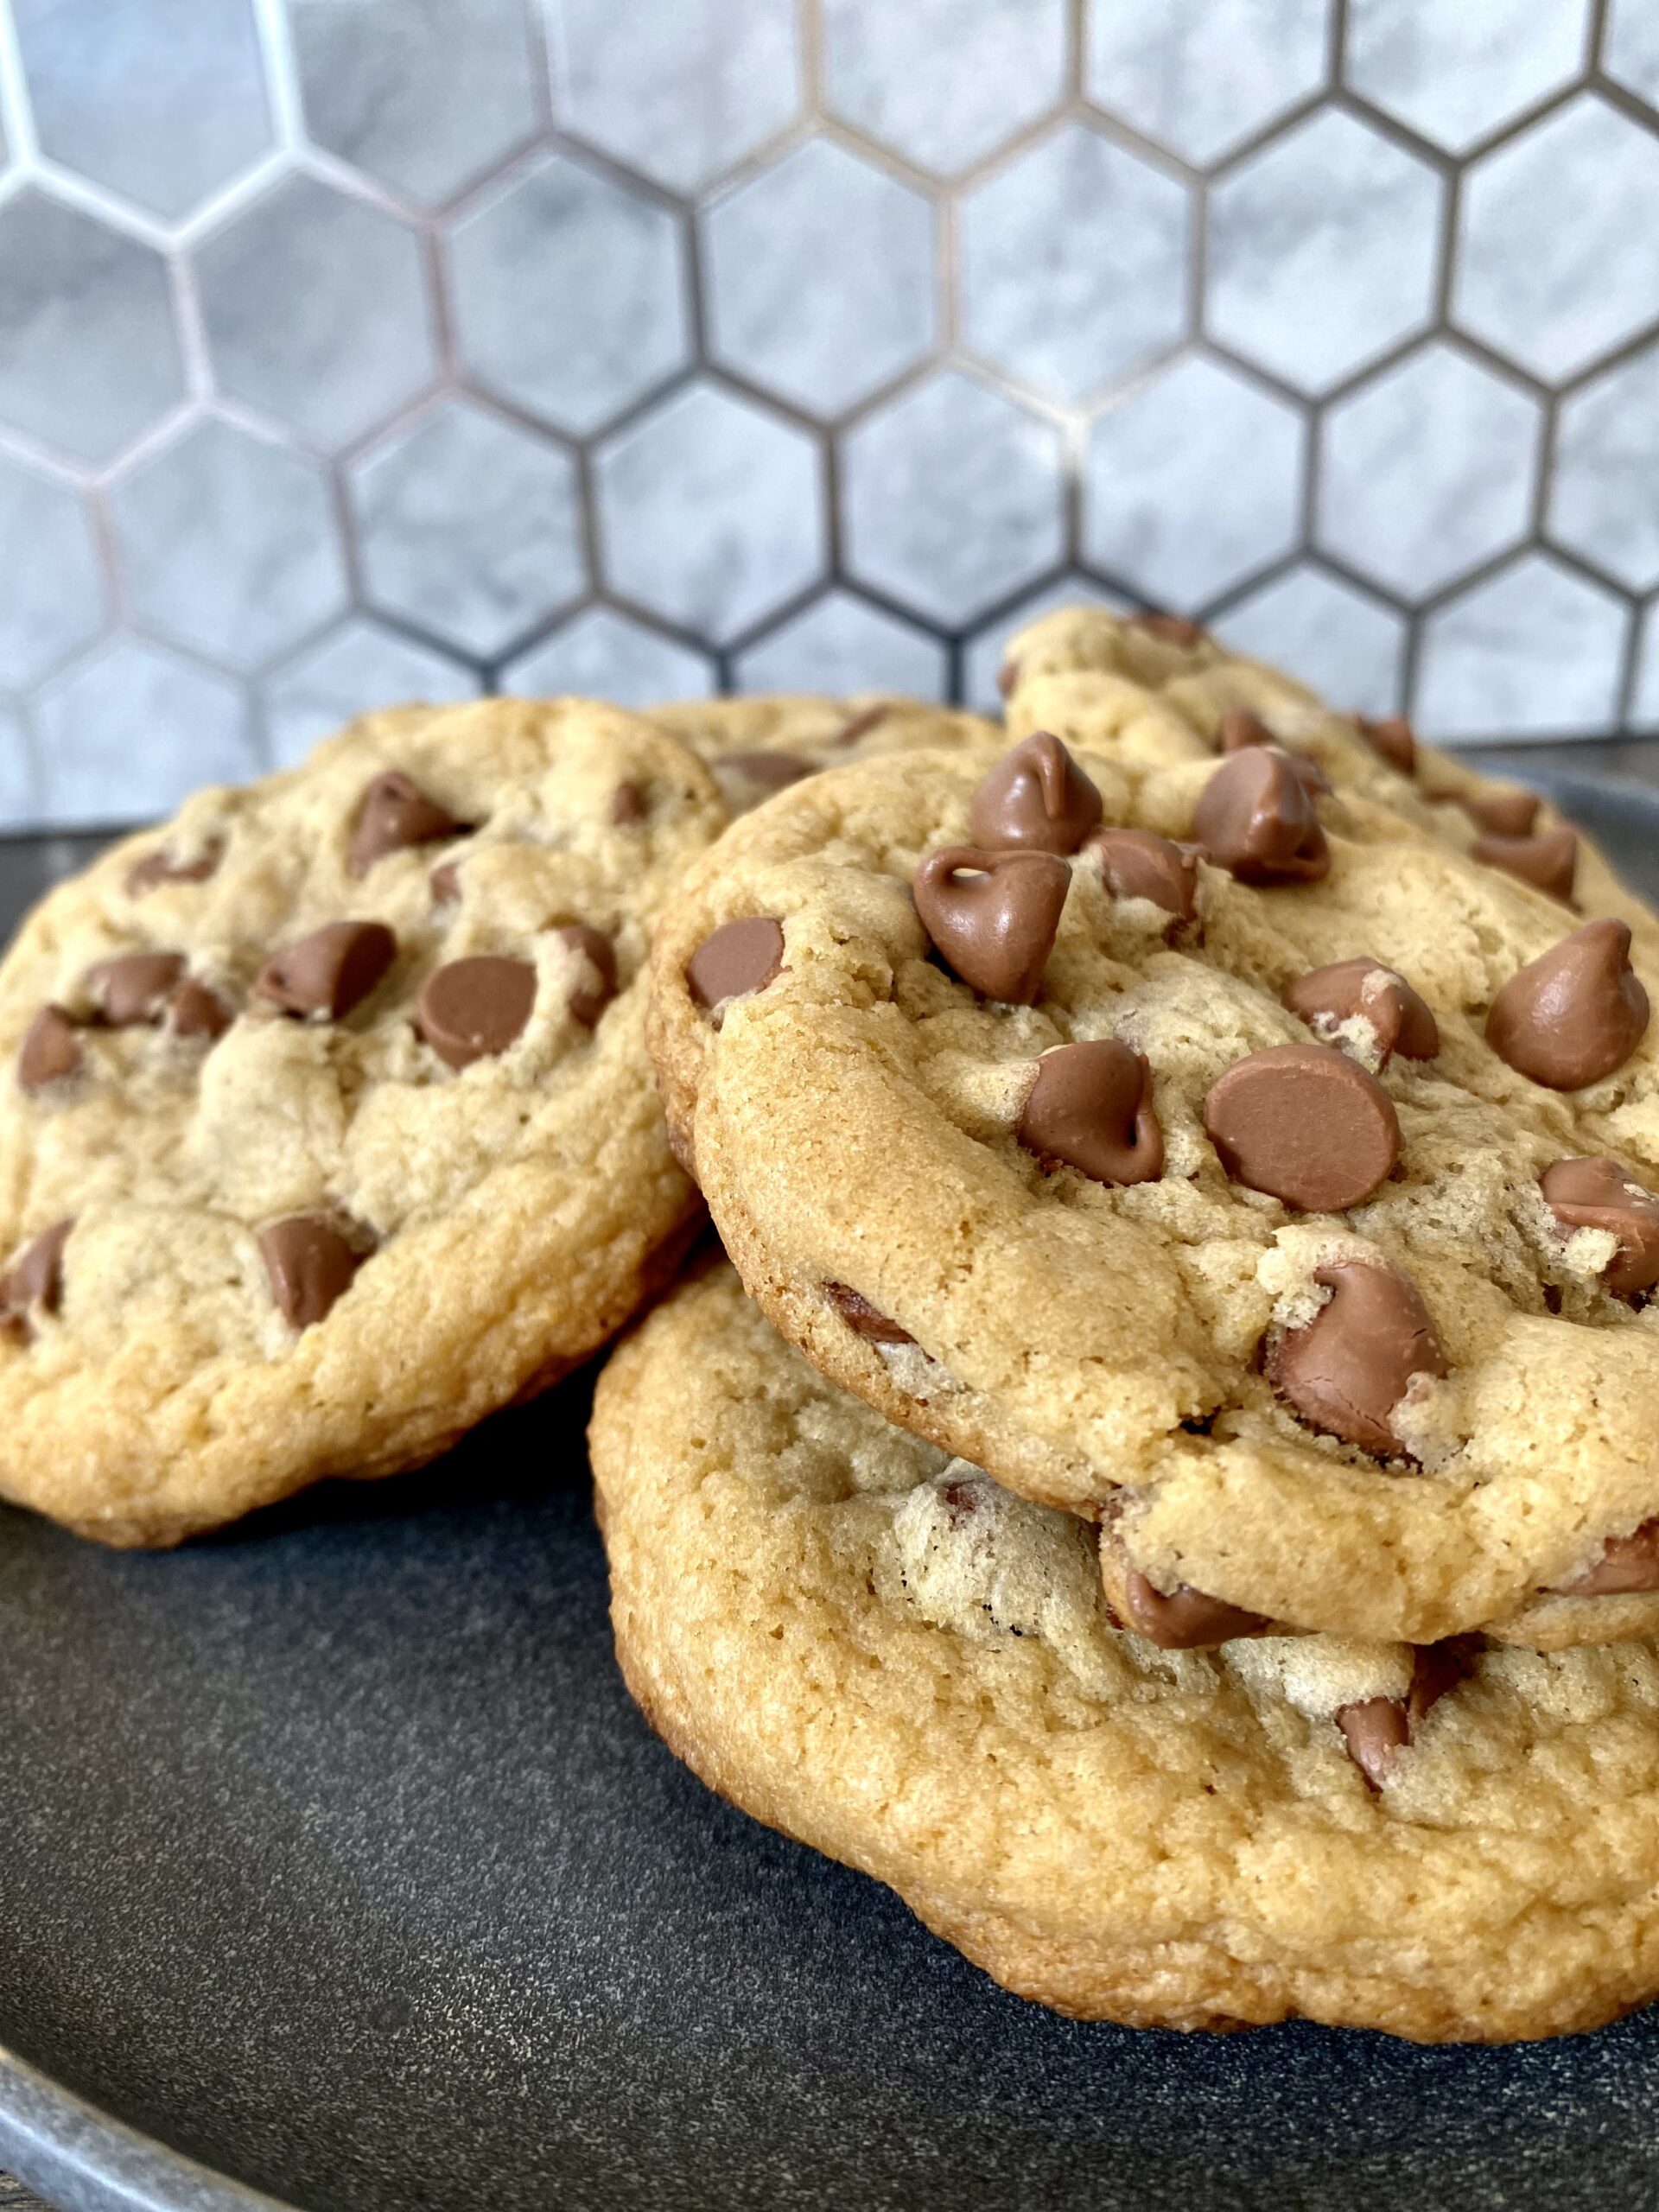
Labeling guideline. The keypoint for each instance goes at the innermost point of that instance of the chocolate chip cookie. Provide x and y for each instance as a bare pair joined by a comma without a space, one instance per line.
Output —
1202,1151
877,1650
327,1123
756,745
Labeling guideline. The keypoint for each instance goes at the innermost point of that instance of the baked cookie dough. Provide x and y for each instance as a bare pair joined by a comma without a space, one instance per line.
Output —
1289,1206
758,745
326,1124
881,1653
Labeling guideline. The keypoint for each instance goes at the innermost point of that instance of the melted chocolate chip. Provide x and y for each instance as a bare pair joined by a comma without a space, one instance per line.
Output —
587,1000
1326,997
473,1010
194,1011
773,771
156,867
861,724
1377,1729
1239,729
1391,737
36,1277
1006,677
1500,813
627,808
1140,864
1091,1108
1574,1014
309,1265
993,917
133,988
1036,799
51,1050
329,972
1348,1369
444,884
1169,629
1549,861
1186,1619
736,959
1305,1124
1598,1193
1255,818
863,1319
1627,1566
395,813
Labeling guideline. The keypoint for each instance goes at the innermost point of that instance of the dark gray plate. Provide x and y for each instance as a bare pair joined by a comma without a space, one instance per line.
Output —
334,1860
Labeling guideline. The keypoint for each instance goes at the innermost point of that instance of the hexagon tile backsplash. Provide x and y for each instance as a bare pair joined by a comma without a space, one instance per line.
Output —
354,350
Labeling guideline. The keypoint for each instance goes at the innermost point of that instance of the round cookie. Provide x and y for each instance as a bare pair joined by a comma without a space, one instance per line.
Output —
758,745
327,1125
1282,1292
880,1653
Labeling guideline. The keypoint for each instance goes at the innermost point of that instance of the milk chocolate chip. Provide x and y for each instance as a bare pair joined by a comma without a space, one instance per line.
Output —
627,807
1140,864
1500,813
1006,676
1239,728
1304,1124
863,1319
310,1266
771,771
472,1009
36,1277
1390,735
1628,1565
1550,861
1598,1193
588,1000
734,960
1185,1620
849,733
1169,629
194,1011
1348,1369
1255,817
51,1050
1091,1108
1036,798
1574,1014
133,988
394,814
1377,1729
993,917
444,883
330,971
1326,997
156,867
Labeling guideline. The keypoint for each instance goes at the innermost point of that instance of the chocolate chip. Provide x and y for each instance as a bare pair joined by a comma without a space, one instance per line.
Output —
993,917
863,1319
734,960
1304,1124
472,1009
1598,1193
330,971
1006,677
310,1266
133,988
1500,813
587,1001
444,884
1550,861
849,733
156,867
1091,1108
1375,1730
627,808
51,1050
773,771
1574,1014
1255,817
1627,1566
1326,997
1036,799
394,814
1169,629
36,1276
1140,864
1390,736
1186,1619
1239,727
194,1011
1348,1369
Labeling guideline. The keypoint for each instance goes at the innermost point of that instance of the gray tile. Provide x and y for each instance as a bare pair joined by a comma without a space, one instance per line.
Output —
843,644
426,95
952,499
356,667
19,799
1340,640
89,356
1204,75
1427,470
603,655
710,511
316,311
1603,499
163,100
679,89
56,600
570,294
819,277
228,543
1074,263
1191,483
1457,72
943,81
983,658
127,734
1630,47
1644,706
1559,256
1322,250
1533,651
469,527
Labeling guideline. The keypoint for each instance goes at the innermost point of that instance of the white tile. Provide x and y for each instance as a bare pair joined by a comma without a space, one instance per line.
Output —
56,601
943,81
1344,643
1533,651
604,655
1204,75
983,659
1604,493
842,644
357,667
127,734
1458,71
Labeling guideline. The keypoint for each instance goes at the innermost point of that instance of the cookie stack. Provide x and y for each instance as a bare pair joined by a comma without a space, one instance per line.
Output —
1165,1474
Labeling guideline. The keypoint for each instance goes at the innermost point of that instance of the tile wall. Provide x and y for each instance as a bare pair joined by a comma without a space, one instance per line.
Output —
361,349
